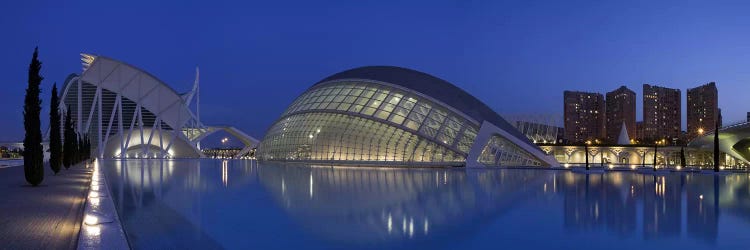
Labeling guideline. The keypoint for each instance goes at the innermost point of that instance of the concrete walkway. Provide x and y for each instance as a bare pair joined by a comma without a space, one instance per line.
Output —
44,217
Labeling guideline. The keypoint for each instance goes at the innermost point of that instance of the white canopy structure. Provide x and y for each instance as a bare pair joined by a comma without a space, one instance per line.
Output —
129,113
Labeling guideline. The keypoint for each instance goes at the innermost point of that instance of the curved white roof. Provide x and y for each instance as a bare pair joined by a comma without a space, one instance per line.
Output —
138,86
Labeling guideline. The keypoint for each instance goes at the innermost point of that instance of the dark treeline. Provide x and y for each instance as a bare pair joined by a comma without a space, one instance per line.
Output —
67,149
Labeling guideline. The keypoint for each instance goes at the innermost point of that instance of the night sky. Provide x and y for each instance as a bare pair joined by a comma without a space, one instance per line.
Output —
256,57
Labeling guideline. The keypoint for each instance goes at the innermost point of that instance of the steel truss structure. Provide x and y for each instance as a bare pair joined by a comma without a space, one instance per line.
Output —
129,113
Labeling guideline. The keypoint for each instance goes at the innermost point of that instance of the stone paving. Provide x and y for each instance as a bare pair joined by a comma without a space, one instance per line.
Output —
45,217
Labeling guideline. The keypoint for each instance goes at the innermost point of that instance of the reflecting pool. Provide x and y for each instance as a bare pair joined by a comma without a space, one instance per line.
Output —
213,204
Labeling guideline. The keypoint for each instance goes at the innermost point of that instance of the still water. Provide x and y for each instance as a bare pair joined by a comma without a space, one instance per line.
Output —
211,204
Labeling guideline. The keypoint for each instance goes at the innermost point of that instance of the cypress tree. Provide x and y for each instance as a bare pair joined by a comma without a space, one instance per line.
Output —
68,142
683,162
88,147
55,143
33,155
656,145
80,148
586,148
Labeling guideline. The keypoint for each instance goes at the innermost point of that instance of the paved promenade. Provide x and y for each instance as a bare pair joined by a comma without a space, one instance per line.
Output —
45,217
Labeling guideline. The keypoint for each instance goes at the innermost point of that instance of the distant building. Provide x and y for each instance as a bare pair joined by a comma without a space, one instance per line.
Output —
702,109
748,116
661,113
620,110
584,116
639,130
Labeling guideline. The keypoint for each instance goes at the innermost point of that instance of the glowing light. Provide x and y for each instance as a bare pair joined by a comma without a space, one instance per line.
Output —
426,225
94,201
632,167
91,220
93,230
700,131
311,136
311,186
700,197
678,167
225,172
567,165
390,223
95,187
318,131
611,166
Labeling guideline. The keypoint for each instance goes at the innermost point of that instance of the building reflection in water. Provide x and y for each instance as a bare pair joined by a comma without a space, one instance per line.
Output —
366,206
616,201
372,205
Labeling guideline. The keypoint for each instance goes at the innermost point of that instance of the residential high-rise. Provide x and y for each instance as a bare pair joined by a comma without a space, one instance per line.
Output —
639,130
702,109
620,109
584,116
661,113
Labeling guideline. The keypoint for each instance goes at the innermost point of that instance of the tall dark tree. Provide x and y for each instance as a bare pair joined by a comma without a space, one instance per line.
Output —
68,140
716,144
33,155
586,148
55,140
683,161
79,149
88,147
656,146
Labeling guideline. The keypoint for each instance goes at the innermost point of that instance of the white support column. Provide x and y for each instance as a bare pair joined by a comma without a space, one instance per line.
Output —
151,136
91,111
119,127
80,105
161,143
140,125
101,147
111,119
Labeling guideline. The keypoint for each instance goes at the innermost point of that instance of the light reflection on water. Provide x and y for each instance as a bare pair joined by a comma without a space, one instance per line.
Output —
242,204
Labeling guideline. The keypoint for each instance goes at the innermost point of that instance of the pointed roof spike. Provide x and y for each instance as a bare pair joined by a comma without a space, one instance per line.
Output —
623,139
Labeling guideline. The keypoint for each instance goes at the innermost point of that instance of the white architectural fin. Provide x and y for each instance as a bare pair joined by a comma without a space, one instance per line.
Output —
623,139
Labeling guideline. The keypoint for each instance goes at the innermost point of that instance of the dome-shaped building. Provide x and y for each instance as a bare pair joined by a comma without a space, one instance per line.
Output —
392,116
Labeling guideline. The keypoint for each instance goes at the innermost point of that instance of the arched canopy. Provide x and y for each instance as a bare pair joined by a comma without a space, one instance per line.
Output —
138,86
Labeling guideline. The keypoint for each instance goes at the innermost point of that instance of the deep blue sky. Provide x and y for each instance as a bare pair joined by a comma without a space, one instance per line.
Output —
256,57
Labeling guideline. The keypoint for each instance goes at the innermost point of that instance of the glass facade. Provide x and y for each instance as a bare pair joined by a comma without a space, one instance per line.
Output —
500,152
364,121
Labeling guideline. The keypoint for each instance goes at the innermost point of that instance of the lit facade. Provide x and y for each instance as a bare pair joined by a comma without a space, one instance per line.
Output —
383,115
620,110
662,118
584,116
129,113
702,109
